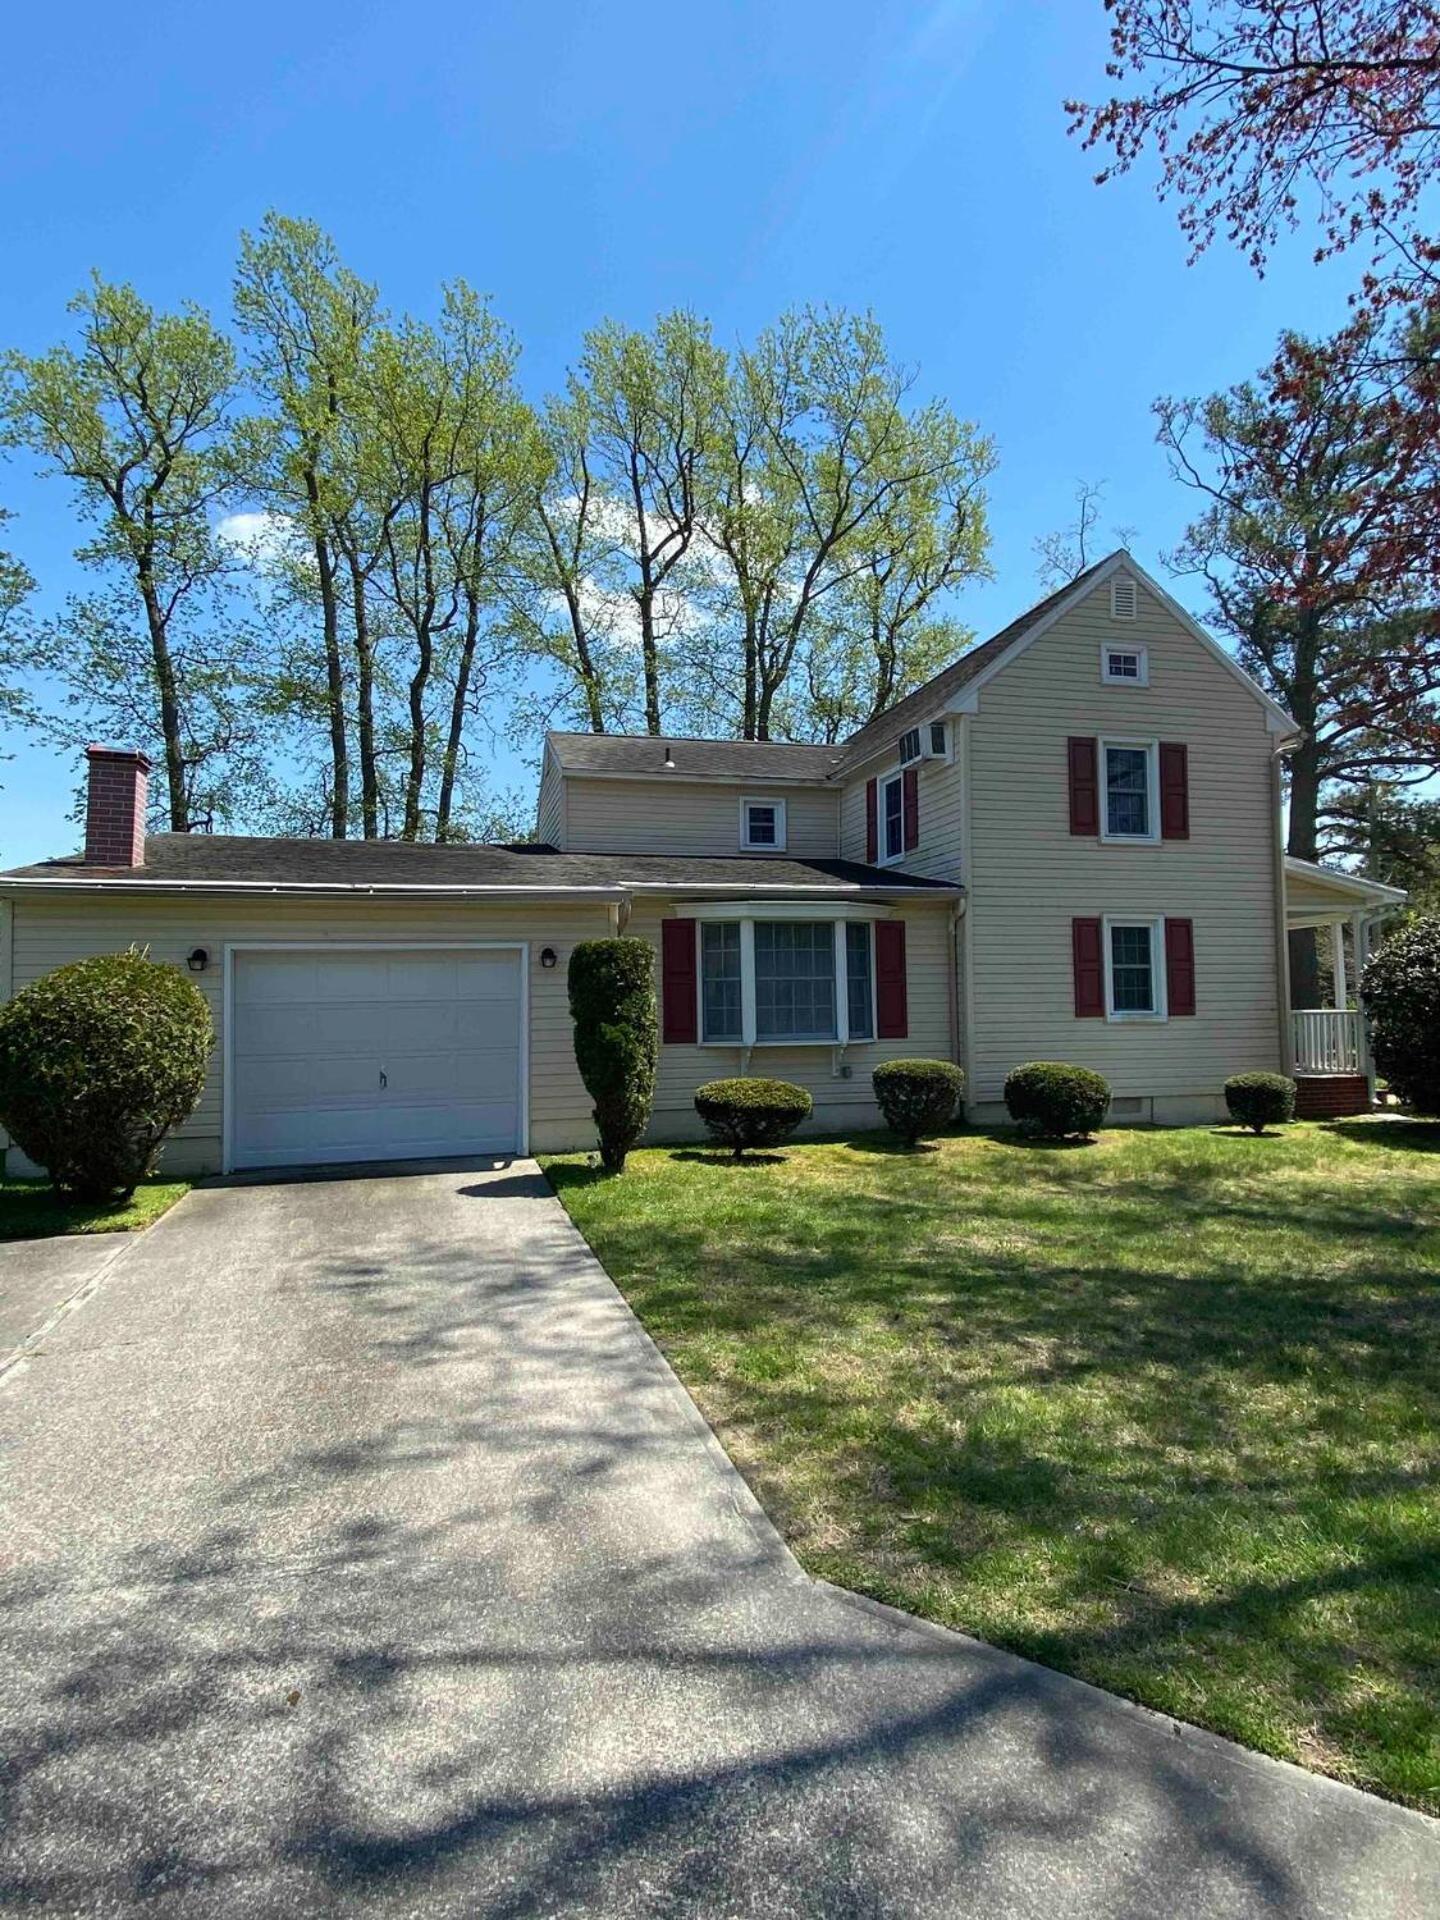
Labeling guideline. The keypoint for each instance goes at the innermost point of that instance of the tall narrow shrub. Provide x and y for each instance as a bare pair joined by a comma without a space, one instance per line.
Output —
612,1002
1400,991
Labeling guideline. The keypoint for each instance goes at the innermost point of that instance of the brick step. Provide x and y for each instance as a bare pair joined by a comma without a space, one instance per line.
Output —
1329,1096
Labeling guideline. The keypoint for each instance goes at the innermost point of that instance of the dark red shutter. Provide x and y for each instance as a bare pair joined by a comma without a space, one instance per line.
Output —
1084,788
677,977
1088,953
892,1015
910,797
1174,791
872,822
1180,966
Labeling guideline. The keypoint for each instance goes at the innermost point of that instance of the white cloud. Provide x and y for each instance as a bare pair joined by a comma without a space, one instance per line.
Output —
262,538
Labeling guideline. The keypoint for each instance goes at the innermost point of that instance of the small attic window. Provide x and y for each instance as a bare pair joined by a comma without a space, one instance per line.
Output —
909,746
1124,598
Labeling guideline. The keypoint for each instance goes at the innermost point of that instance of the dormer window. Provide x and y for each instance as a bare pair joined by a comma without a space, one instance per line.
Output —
1124,666
910,748
939,744
762,826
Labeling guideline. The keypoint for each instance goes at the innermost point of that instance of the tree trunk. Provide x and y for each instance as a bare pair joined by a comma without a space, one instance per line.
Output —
334,676
1301,843
169,704
365,706
646,603
457,716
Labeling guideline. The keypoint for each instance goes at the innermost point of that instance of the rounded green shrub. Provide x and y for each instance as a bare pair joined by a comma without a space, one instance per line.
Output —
917,1096
98,1061
612,1003
1260,1100
751,1113
1057,1101
1400,991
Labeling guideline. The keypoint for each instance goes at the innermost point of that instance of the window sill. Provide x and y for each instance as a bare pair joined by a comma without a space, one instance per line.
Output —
856,1040
1137,1019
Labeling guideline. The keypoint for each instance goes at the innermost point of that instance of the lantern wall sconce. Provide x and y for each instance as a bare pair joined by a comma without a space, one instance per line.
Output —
197,959
547,956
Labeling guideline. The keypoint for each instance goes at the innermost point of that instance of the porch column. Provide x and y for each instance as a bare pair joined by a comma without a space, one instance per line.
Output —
1360,935
1337,962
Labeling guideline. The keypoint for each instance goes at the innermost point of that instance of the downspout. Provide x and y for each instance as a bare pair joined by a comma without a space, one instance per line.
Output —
963,971
1282,916
957,914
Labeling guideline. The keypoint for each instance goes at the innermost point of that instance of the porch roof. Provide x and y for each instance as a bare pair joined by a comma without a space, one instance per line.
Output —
1317,896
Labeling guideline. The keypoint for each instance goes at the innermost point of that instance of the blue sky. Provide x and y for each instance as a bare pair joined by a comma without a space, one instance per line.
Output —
575,161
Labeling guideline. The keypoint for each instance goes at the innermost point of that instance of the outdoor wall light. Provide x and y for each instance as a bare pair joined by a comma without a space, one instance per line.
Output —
197,959
547,956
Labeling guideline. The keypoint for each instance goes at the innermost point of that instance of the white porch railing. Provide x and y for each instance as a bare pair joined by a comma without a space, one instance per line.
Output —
1327,1040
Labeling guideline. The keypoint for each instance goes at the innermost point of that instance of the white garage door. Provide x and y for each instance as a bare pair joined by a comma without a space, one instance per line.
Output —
374,1054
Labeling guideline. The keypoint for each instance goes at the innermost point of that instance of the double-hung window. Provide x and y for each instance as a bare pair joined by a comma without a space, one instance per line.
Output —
767,981
1129,798
892,817
762,826
1134,971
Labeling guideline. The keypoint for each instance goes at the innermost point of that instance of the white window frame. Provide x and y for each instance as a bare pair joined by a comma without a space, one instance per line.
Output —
947,753
746,914
747,845
1151,750
1108,679
1160,1013
919,753
885,858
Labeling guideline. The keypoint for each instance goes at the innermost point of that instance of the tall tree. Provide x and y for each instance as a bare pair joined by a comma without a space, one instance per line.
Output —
649,403
135,415
17,584
1301,540
308,319
828,490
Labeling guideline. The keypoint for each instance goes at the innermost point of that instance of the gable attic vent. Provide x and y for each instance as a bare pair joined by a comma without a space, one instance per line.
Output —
1124,598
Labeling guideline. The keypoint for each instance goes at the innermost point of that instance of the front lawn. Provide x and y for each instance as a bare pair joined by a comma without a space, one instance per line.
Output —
31,1209
1163,1411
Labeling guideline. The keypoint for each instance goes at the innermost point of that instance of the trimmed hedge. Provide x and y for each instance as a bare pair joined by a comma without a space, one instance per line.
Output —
612,1003
98,1061
745,1113
1260,1100
1056,1101
917,1096
1400,990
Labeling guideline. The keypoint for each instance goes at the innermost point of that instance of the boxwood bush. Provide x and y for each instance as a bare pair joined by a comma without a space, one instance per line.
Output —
612,1003
98,1061
1400,990
917,1096
1260,1100
1056,1101
751,1113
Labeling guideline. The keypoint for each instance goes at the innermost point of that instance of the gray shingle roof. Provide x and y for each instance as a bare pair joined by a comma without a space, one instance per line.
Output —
232,859
715,759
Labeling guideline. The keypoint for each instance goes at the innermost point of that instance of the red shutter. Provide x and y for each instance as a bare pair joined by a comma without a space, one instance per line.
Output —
1084,788
1088,954
677,976
872,822
910,796
892,1018
1180,965
1174,791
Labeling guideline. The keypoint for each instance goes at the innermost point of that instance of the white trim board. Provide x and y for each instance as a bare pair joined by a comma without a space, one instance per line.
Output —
227,1002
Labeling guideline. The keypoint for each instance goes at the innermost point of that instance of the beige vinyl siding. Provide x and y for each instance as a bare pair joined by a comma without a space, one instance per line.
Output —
1029,878
1313,896
941,796
550,813
657,816
50,931
840,1102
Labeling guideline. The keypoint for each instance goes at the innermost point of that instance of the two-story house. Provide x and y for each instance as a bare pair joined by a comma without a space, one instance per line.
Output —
1064,846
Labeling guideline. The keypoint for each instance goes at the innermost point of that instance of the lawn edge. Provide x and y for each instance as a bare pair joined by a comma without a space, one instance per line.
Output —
777,1549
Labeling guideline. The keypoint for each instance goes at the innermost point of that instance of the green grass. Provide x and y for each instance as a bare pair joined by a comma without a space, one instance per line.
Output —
31,1209
1163,1411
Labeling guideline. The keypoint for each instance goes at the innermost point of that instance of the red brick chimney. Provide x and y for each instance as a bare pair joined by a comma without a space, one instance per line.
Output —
115,809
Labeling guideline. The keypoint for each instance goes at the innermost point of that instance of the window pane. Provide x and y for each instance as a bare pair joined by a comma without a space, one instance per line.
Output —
860,996
720,979
1127,790
1124,666
894,818
760,829
794,980
1132,974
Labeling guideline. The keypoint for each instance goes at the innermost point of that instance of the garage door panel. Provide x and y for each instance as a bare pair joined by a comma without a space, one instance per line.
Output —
314,1032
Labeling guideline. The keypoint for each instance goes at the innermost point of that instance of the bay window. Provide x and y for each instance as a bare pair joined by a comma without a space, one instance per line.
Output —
769,981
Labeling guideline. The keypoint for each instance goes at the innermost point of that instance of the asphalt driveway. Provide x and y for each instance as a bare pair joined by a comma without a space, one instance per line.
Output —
362,1556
